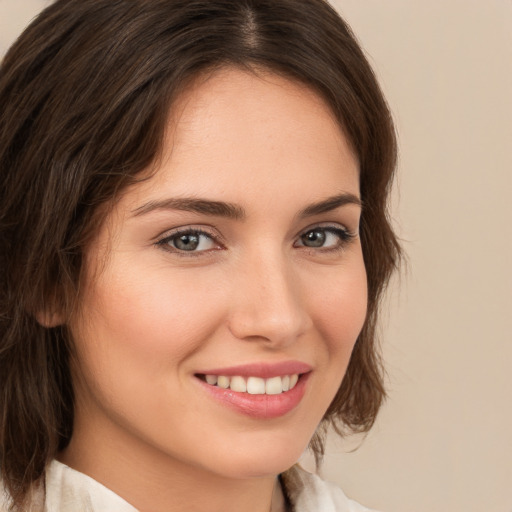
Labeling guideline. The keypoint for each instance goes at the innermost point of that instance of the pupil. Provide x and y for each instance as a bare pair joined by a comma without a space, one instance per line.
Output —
187,242
314,239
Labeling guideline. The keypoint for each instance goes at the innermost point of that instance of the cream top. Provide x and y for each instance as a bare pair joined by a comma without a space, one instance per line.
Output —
68,490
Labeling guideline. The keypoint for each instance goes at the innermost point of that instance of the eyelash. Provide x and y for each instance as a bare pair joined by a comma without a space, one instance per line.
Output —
344,236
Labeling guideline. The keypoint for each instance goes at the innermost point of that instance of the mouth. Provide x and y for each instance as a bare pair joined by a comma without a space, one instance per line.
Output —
252,385
258,391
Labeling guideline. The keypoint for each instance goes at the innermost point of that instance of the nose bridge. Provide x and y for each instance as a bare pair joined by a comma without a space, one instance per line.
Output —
268,302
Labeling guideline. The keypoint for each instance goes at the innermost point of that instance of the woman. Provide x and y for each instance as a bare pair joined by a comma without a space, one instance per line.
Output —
194,243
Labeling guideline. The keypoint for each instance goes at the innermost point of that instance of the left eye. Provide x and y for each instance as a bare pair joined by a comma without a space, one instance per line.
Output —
323,238
189,241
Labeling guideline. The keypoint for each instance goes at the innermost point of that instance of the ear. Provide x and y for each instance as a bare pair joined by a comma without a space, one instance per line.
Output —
49,308
49,319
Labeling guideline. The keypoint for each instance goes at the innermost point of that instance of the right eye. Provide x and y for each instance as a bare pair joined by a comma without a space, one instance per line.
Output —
190,240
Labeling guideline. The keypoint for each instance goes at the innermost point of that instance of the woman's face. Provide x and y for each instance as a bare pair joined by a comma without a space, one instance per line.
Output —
240,260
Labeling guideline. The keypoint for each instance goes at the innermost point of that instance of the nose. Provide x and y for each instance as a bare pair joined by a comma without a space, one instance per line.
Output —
268,303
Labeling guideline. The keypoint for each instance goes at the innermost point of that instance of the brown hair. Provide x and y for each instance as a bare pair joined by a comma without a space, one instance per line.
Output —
85,95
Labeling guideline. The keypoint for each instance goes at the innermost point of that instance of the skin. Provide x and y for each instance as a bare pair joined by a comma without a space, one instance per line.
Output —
152,316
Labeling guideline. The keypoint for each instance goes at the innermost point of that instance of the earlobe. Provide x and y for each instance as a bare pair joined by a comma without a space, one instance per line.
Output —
49,310
49,319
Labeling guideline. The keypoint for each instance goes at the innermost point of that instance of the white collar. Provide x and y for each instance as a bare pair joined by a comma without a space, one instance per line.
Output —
68,490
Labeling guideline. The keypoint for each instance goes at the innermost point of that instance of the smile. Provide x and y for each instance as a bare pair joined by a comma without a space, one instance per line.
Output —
254,385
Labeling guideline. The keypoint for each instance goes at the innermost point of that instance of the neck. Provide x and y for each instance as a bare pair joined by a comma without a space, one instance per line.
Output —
152,481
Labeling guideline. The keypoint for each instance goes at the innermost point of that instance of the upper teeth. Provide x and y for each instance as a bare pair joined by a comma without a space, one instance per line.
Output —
254,385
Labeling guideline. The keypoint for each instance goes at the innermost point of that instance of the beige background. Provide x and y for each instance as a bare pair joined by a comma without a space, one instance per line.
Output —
443,443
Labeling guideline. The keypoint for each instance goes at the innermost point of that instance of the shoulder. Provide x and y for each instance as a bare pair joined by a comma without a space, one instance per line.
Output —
309,493
35,500
67,490
4,498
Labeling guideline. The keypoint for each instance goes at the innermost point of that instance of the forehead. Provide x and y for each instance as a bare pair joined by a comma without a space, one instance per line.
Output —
236,130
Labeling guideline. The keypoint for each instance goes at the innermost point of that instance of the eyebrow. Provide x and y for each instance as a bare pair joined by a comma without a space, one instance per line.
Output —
329,204
236,212
204,206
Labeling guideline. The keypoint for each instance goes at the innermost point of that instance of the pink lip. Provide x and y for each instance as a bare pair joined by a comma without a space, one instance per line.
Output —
262,370
260,406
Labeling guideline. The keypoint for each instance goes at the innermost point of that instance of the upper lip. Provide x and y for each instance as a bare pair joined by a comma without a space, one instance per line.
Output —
263,370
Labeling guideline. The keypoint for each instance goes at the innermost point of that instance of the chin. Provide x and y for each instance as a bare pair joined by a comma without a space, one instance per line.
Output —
262,457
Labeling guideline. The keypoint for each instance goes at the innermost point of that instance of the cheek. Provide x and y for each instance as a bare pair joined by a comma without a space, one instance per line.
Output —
339,311
337,301
139,324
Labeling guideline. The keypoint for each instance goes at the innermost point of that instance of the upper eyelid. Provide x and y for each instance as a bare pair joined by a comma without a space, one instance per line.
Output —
332,225
170,233
209,230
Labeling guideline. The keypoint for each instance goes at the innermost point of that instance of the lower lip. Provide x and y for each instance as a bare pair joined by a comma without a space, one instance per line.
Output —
259,406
